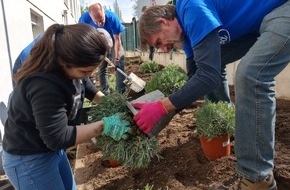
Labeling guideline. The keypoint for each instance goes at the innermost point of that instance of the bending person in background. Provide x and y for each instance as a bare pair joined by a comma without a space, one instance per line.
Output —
99,17
212,34
23,55
45,105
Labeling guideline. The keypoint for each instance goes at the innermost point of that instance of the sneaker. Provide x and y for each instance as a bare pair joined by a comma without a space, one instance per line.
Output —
237,182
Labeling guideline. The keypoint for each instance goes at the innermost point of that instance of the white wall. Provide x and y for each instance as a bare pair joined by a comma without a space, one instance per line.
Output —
282,80
141,3
19,30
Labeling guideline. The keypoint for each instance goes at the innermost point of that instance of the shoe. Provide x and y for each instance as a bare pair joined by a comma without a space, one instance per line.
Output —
237,182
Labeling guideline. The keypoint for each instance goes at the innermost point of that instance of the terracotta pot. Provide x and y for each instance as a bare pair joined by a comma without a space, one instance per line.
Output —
216,147
110,163
113,163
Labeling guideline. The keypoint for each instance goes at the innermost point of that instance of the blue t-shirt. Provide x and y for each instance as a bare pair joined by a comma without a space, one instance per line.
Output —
24,54
112,24
235,17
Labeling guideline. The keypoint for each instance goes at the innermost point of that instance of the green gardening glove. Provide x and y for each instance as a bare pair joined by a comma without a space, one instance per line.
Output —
116,128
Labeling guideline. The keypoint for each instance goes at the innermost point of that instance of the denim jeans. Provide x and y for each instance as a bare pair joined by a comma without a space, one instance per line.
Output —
103,75
45,171
255,96
231,52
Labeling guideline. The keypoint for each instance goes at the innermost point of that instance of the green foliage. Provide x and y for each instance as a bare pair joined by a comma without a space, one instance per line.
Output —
84,8
87,103
112,83
169,80
148,187
138,150
135,152
215,119
109,105
149,67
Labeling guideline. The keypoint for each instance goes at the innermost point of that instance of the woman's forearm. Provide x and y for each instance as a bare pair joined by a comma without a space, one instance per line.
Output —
86,132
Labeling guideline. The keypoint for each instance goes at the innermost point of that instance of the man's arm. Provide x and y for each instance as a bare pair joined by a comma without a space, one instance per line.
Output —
118,46
91,91
206,78
98,96
207,72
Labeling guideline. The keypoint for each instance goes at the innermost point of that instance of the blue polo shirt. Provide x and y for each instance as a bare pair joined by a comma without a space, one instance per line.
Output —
112,24
235,17
24,54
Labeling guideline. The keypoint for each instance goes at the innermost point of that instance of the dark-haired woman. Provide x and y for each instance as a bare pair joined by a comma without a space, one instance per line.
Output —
49,92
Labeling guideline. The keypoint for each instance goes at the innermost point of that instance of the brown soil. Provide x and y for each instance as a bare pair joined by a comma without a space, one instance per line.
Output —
184,166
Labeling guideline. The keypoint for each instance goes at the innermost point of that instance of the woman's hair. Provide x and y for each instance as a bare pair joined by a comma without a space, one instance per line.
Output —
77,45
149,21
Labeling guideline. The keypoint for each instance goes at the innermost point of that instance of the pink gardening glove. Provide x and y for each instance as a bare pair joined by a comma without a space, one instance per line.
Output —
149,115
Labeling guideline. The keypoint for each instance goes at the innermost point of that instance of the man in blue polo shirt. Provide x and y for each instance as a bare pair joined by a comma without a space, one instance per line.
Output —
24,54
214,33
99,17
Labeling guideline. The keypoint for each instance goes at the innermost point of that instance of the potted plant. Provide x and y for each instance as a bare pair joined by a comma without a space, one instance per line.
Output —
215,123
138,150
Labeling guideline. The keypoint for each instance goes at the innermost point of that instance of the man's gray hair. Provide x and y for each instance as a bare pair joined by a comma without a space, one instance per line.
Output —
149,21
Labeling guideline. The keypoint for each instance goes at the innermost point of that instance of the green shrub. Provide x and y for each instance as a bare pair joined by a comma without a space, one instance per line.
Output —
112,82
215,119
87,103
169,80
149,67
138,150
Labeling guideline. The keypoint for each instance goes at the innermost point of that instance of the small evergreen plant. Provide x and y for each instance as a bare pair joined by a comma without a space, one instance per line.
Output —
138,150
149,67
169,80
112,82
215,119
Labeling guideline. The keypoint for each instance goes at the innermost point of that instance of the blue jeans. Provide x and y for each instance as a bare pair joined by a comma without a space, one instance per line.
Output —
103,76
45,171
231,52
255,96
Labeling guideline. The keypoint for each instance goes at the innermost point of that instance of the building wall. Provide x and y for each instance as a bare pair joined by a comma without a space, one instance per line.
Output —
282,80
21,21
141,3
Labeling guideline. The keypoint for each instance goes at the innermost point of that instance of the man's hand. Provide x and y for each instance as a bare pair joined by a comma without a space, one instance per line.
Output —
117,63
116,128
149,115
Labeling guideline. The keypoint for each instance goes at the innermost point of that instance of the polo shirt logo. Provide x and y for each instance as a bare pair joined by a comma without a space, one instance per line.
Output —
224,36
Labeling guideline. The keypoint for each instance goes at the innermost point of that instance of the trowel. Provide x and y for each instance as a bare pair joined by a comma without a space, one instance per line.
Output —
133,81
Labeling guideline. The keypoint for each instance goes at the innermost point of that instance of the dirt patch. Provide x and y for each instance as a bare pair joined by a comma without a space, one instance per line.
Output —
183,167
